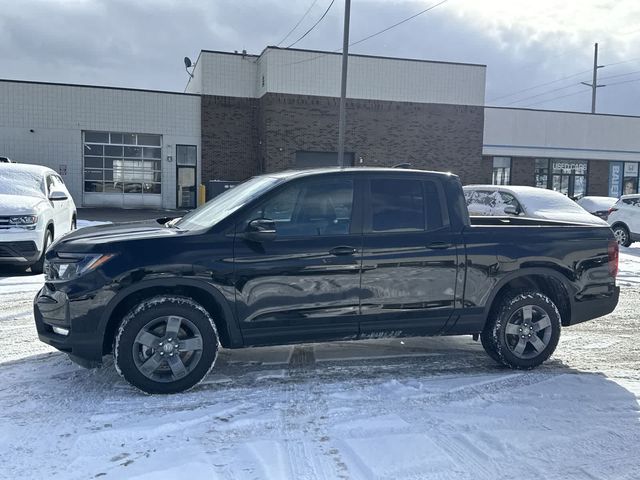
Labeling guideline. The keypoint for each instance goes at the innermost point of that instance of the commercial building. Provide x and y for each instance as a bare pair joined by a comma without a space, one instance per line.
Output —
244,114
574,153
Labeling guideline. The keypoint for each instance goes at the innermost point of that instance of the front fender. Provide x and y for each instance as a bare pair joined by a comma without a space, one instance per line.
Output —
235,336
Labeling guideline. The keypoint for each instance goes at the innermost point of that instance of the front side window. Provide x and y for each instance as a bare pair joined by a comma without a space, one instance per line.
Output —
501,171
310,208
397,205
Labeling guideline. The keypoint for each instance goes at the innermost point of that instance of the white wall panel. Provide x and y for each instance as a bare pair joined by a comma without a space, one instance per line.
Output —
58,114
312,73
542,133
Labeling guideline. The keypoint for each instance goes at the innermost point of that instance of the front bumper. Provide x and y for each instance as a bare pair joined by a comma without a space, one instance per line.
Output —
20,246
23,252
53,309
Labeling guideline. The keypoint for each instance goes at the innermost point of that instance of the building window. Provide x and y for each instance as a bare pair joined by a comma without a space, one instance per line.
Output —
565,176
630,181
569,177
122,162
501,171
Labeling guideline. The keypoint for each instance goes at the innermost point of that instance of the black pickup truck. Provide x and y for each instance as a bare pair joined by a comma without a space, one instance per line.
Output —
314,256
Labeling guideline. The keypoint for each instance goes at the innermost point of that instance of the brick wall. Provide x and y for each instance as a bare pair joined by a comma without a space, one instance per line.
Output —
523,171
598,178
429,136
229,138
242,137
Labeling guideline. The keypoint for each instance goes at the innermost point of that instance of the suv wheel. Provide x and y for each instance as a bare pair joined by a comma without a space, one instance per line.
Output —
38,267
525,332
622,236
166,344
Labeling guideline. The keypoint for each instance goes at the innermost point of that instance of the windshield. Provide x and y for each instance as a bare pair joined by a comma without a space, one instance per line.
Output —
225,204
15,182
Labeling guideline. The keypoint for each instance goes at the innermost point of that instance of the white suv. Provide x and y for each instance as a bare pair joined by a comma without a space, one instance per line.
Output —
35,209
624,218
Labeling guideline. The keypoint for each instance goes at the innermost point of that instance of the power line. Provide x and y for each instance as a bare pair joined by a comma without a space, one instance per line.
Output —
542,94
368,37
299,22
576,93
539,85
620,75
397,24
534,87
555,98
624,81
314,25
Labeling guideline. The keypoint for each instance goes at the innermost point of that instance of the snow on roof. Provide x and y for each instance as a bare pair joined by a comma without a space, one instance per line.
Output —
22,179
541,203
595,204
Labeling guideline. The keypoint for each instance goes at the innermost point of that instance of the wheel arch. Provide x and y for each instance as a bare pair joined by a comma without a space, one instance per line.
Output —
544,280
209,297
620,223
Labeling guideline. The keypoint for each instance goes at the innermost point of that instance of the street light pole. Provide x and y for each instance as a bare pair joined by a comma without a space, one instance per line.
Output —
343,86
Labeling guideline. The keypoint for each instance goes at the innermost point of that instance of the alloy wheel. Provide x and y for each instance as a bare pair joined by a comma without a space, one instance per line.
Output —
167,348
528,332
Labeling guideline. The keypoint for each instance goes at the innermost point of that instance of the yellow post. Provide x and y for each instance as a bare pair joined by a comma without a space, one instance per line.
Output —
202,194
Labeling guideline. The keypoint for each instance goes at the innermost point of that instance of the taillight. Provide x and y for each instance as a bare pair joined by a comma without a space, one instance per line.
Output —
614,256
612,209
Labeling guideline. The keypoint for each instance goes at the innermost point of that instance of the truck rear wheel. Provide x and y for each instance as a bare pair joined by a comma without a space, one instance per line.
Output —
524,332
166,344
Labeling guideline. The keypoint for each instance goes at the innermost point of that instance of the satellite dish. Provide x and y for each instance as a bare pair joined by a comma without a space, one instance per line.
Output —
187,62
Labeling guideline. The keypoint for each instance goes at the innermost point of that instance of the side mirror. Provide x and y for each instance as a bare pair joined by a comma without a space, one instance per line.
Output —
511,210
57,195
261,230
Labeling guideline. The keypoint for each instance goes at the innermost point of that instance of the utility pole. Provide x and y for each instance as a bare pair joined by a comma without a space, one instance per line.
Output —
343,87
594,83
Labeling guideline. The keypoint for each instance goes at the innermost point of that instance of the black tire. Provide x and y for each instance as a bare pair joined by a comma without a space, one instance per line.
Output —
622,235
74,224
38,267
134,348
486,338
527,318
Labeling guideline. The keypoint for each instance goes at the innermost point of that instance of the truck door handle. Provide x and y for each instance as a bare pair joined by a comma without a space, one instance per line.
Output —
438,245
342,251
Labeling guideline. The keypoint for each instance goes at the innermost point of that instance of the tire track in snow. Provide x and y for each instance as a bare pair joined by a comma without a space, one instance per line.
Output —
304,426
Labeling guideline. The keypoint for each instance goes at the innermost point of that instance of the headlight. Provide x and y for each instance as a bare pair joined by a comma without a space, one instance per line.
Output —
67,266
23,220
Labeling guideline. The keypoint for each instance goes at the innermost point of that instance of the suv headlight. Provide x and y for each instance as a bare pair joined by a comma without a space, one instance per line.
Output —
67,266
28,221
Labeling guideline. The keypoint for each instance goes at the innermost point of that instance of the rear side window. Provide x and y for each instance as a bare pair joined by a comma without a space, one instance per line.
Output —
632,202
397,205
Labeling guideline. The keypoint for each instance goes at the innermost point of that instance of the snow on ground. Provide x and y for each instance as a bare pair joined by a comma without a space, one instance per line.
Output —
432,408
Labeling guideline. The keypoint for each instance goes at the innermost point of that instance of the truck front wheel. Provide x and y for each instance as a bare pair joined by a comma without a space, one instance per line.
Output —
524,332
166,344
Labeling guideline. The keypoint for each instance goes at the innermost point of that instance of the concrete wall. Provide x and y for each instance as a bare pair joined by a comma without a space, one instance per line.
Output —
58,114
